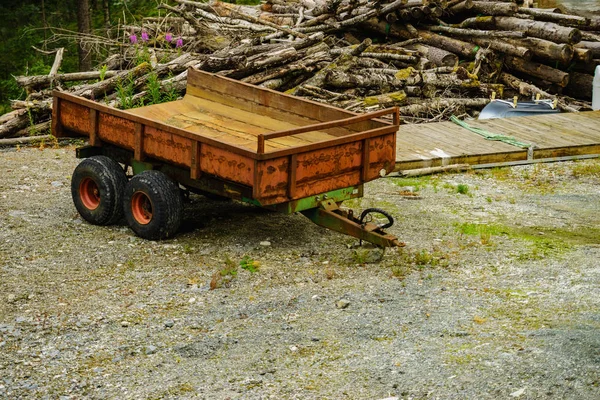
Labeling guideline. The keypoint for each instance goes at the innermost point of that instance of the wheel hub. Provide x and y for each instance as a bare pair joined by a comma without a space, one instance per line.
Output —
141,208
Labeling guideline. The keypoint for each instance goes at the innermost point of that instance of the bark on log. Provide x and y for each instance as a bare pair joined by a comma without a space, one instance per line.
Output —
340,79
476,32
593,46
561,52
41,81
100,89
24,140
504,47
543,30
494,8
562,19
35,130
435,107
19,120
580,86
439,57
538,70
527,89
582,55
456,46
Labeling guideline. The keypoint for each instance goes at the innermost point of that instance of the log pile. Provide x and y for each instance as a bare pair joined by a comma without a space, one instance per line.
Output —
433,58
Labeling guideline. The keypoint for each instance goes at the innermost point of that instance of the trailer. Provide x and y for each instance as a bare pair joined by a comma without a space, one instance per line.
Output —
229,139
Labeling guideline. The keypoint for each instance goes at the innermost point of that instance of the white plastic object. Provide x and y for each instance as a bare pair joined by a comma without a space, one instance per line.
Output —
596,90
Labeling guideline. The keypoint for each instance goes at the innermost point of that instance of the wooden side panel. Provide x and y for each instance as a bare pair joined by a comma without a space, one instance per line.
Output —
347,179
267,102
116,130
332,161
166,146
382,155
75,117
273,177
227,165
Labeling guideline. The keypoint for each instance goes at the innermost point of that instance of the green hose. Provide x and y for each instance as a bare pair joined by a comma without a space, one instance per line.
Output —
491,136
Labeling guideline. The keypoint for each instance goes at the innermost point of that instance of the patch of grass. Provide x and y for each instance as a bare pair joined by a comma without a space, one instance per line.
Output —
225,275
417,183
423,258
103,70
501,174
400,270
589,168
484,231
178,390
545,242
125,92
249,264
462,189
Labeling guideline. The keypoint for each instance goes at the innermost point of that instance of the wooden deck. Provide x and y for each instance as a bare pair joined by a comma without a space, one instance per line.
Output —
551,136
227,123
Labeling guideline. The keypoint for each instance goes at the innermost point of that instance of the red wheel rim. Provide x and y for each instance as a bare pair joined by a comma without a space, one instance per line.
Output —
141,208
89,193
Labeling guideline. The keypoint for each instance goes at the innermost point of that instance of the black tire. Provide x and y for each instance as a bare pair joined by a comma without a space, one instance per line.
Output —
97,188
153,205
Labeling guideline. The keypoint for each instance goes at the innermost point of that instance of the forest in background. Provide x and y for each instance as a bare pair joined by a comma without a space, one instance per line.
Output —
46,25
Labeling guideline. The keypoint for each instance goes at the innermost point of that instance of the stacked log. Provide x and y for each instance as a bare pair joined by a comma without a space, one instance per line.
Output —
433,58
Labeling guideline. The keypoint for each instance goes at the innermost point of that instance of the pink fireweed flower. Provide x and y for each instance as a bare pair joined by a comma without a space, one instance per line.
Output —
145,36
179,42
133,38
169,37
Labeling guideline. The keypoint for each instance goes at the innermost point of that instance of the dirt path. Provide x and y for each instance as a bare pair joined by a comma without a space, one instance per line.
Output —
495,295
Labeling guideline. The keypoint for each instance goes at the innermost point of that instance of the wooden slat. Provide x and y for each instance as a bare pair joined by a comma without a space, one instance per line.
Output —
138,151
365,160
94,139
293,167
195,162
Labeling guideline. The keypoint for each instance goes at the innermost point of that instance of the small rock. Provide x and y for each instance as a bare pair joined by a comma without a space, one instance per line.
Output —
265,243
11,298
192,300
150,349
293,349
169,323
124,324
56,183
343,303
316,297
518,393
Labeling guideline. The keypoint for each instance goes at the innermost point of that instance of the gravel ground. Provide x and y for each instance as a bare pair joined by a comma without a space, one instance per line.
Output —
495,295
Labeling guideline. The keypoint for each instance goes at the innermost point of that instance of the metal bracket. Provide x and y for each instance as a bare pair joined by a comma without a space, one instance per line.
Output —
330,216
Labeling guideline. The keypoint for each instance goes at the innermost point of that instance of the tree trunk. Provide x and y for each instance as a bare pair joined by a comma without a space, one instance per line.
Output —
106,14
83,27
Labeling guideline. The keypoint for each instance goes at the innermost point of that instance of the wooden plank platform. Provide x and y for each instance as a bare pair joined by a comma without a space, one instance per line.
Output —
551,136
226,123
